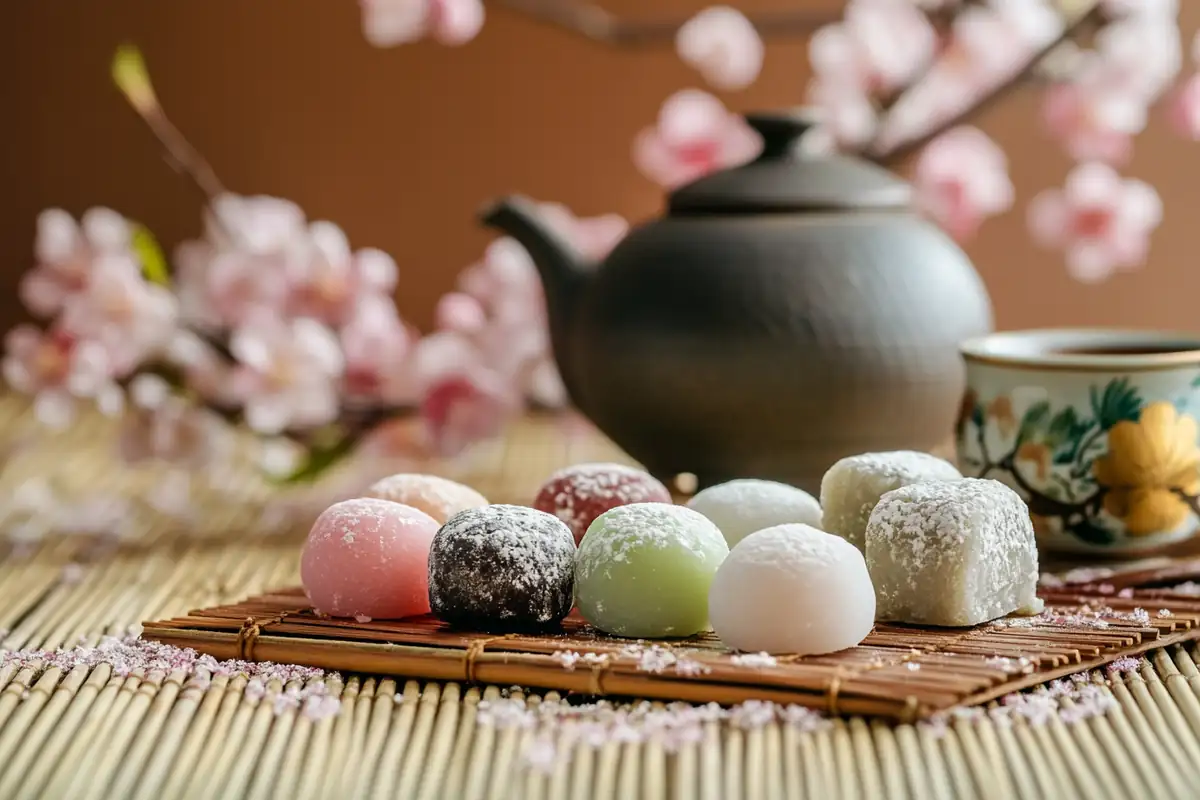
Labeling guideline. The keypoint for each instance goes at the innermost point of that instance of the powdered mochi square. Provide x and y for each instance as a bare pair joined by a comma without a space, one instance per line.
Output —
952,553
852,487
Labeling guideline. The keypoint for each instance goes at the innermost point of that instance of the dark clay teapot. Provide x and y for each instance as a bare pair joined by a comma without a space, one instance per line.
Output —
782,315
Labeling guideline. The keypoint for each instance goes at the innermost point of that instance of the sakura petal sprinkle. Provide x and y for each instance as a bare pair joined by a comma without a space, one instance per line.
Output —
1125,594
1125,664
556,726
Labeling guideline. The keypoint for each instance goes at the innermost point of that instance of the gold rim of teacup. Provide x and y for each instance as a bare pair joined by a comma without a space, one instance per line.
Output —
1051,349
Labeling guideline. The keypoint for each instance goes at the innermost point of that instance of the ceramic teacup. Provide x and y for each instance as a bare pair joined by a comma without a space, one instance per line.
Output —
1096,429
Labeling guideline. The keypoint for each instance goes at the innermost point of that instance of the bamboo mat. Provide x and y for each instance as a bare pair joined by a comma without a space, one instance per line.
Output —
96,723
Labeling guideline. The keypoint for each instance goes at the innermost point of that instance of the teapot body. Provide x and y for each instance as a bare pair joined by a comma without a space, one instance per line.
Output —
771,345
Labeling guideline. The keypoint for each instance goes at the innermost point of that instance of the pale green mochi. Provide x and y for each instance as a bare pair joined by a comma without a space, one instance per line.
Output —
643,570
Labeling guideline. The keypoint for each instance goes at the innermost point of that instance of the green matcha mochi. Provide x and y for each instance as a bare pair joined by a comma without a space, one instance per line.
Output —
643,570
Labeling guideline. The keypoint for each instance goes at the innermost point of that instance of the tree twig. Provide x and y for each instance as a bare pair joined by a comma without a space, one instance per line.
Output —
895,153
592,22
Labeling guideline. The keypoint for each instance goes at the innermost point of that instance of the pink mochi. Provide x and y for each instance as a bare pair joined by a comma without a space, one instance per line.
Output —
368,559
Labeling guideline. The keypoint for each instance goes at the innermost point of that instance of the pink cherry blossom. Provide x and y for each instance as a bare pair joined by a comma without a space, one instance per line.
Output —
723,46
1184,109
57,370
961,179
387,23
593,237
847,113
695,135
1143,54
130,317
1101,220
1095,114
377,346
329,280
461,409
243,265
288,372
879,46
989,44
458,311
1160,10
65,252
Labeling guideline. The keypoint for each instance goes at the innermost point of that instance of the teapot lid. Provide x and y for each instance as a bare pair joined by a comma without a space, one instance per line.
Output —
787,176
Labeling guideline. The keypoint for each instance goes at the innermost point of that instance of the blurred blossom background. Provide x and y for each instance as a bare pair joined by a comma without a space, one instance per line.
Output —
401,145
353,142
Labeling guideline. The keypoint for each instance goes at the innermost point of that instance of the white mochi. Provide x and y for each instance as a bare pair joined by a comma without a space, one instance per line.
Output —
852,487
952,553
741,507
792,589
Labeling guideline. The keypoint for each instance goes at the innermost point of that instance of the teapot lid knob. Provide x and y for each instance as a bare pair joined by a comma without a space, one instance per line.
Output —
783,132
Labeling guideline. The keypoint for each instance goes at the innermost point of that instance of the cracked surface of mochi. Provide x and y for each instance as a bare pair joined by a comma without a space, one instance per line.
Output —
952,553
852,487
743,506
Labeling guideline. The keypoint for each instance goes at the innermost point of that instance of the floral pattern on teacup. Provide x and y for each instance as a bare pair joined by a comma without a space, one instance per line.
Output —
1121,468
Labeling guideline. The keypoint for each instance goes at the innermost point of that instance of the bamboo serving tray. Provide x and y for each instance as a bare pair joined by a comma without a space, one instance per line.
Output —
899,672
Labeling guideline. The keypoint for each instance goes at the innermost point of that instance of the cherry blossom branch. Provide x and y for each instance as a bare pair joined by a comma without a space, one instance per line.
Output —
901,150
129,73
592,22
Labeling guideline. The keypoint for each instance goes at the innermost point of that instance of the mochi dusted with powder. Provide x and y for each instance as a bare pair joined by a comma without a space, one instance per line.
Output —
792,589
502,568
741,507
643,570
579,494
852,487
952,553
366,558
440,498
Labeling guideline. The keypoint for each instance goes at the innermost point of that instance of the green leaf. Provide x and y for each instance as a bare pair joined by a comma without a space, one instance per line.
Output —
320,459
130,75
1119,402
150,254
1034,421
1092,533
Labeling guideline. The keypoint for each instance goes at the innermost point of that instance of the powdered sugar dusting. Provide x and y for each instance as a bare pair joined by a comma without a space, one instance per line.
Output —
953,553
349,518
580,493
502,564
852,487
439,497
623,530
741,507
754,660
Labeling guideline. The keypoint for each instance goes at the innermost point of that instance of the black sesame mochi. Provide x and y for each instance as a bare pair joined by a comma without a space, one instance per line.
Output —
502,568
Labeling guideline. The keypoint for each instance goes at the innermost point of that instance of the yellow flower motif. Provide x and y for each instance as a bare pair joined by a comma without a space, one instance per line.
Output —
1148,464
1001,410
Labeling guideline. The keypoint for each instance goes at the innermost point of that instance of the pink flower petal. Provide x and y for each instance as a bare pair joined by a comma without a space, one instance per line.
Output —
387,23
456,22
695,135
723,46
460,312
962,178
57,236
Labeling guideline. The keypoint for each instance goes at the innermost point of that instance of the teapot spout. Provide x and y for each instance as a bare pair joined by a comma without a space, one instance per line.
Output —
563,270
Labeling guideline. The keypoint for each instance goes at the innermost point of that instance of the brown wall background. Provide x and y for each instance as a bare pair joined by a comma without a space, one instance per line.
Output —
402,146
